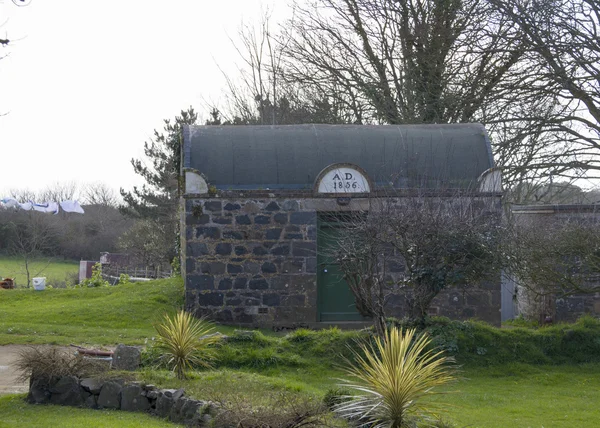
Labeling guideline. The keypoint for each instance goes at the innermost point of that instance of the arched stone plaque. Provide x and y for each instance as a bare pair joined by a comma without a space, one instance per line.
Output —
342,179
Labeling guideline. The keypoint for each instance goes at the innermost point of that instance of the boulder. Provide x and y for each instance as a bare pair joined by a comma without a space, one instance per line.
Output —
126,358
92,402
133,399
38,391
91,385
110,396
66,392
191,412
175,414
163,405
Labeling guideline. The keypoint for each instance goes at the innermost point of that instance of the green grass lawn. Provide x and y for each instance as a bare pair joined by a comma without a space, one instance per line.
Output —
57,272
92,316
518,377
14,412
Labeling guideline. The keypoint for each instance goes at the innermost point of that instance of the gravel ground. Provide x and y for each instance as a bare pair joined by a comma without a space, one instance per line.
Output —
8,377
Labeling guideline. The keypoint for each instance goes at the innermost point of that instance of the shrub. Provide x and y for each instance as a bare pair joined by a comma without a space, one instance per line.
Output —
50,362
184,342
124,279
96,280
281,410
336,396
396,377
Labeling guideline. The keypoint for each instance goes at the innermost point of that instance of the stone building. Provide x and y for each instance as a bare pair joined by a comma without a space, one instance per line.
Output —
256,199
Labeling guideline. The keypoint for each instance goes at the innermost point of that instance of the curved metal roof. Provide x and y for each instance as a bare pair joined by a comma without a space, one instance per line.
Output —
291,156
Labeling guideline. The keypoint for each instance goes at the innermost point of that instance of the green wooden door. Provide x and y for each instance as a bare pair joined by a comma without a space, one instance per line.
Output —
335,300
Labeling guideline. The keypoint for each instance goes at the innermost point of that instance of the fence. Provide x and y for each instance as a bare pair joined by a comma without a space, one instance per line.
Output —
136,273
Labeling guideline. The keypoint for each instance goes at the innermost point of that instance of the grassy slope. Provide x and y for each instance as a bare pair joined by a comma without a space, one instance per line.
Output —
59,272
16,413
100,316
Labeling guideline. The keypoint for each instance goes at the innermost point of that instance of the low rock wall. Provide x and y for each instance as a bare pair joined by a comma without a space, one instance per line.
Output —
121,395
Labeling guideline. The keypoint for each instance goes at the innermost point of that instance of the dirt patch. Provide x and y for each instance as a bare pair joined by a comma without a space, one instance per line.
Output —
9,383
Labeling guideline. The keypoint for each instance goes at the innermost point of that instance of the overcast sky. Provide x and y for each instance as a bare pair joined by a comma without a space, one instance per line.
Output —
84,83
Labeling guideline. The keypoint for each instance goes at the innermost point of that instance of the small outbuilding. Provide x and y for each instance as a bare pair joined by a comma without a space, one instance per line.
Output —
256,199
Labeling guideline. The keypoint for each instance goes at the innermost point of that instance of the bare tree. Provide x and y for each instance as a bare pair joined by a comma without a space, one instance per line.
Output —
527,70
563,46
259,95
58,192
408,61
441,242
99,194
31,239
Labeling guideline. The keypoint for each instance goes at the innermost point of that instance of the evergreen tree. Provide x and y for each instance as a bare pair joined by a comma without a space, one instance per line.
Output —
157,199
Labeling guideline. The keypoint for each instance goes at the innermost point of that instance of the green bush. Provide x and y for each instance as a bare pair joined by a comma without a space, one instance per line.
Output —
480,344
96,280
184,342
395,379
336,396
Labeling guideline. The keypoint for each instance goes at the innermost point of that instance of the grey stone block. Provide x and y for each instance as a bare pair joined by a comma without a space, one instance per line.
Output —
303,217
271,299
260,251
225,284
133,400
258,284
240,250
281,218
222,220
311,264
240,282
191,412
234,269
110,396
190,265
304,249
200,282
91,402
268,267
213,268
126,358
242,219
38,391
273,206
196,249
290,205
280,250
232,234
273,234
212,206
191,219
91,385
163,404
208,232
262,219
210,299
223,249
66,392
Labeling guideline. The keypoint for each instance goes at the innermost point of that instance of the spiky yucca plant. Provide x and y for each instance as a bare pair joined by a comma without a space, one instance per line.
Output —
395,377
184,342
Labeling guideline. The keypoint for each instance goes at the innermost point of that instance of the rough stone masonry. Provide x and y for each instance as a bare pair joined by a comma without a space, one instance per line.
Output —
253,261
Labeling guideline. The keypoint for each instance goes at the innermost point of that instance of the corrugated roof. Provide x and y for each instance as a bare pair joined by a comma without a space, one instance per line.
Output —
291,156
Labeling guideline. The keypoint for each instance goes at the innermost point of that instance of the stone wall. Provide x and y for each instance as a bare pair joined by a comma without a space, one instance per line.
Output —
250,258
117,394
251,261
558,307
